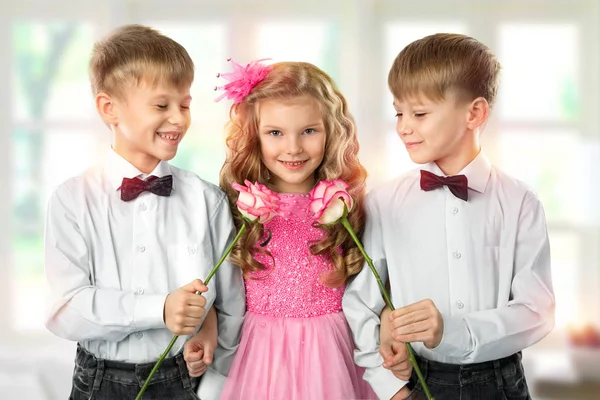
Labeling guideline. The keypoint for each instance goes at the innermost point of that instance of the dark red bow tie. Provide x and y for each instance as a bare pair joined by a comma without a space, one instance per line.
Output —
132,188
458,184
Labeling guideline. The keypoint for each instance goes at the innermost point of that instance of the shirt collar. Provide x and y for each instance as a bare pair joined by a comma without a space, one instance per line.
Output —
477,172
117,168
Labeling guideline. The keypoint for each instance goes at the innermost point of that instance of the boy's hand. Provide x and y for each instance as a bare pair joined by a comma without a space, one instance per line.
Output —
198,351
395,358
395,354
198,355
418,322
184,309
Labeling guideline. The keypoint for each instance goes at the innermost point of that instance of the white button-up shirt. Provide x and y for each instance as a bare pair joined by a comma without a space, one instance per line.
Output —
109,264
485,264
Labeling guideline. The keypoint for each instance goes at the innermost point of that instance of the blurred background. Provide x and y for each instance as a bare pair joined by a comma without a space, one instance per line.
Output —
545,130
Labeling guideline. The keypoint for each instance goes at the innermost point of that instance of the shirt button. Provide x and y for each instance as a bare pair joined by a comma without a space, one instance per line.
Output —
140,291
192,250
460,304
141,249
457,255
142,207
454,210
139,335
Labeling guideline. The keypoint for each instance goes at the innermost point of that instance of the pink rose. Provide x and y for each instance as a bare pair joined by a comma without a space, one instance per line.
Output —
256,201
328,199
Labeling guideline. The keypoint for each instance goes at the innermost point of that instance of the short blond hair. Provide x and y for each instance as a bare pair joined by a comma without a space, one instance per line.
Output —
133,53
444,62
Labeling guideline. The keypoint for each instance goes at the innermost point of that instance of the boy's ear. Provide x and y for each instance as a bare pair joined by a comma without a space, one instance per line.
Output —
478,113
107,108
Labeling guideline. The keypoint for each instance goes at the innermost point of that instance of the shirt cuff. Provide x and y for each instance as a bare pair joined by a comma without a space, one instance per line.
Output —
211,385
384,382
453,343
148,312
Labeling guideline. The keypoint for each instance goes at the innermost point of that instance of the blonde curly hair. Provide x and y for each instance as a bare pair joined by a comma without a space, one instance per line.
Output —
289,80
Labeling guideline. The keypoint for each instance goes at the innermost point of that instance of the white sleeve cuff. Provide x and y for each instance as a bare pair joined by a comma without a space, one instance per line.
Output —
148,312
211,385
383,382
453,339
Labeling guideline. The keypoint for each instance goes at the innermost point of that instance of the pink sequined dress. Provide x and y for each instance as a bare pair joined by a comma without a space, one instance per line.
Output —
296,343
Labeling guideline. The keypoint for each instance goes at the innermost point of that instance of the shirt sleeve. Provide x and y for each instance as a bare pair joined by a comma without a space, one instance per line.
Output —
363,303
528,316
76,309
230,304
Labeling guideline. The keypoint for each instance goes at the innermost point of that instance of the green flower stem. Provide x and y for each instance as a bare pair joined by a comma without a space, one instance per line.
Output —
386,297
208,278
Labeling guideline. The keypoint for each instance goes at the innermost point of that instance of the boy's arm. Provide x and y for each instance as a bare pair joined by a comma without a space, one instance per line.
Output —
529,315
78,310
230,304
363,304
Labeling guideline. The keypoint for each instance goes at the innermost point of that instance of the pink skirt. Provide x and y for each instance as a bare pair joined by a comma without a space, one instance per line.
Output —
296,359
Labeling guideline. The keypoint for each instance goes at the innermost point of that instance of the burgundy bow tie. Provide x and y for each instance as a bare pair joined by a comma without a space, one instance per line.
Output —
457,184
132,188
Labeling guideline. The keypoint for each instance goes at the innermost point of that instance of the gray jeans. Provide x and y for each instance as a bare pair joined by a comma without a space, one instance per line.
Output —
493,380
98,379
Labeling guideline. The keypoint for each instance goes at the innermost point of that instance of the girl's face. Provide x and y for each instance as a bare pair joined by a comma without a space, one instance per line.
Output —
292,142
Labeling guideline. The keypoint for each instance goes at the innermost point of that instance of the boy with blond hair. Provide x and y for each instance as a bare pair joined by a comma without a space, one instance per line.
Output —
463,246
126,240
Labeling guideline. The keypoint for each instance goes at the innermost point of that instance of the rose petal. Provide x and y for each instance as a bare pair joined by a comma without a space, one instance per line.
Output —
332,213
263,196
312,192
253,187
246,199
347,199
238,187
319,190
258,202
330,193
316,207
333,192
246,214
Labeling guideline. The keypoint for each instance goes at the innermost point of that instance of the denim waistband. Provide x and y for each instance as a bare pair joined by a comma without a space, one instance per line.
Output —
131,373
476,373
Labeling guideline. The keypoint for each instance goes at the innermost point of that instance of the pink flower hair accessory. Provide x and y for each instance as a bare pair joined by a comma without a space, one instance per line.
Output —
242,80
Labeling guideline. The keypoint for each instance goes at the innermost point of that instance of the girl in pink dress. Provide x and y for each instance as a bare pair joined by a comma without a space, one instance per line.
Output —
290,128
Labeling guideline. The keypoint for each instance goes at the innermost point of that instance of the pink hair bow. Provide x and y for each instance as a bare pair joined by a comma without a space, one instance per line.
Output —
242,80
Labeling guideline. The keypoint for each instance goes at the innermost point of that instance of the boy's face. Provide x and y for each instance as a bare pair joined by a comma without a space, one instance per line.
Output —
437,131
149,123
